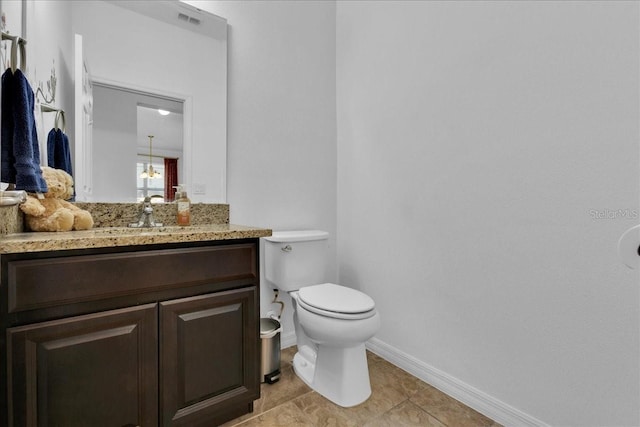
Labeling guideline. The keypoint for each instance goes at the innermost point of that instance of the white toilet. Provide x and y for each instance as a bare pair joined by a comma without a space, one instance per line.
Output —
332,322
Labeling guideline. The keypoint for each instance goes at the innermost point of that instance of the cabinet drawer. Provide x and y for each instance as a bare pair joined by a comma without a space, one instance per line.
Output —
47,282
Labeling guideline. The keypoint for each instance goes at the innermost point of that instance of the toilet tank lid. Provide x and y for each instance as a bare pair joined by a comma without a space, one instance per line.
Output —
297,236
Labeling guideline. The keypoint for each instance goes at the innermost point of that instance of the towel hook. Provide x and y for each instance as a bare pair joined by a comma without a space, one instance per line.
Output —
14,55
17,42
60,118
23,54
14,50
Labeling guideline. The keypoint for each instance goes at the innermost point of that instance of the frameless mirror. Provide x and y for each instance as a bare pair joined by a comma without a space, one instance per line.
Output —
167,50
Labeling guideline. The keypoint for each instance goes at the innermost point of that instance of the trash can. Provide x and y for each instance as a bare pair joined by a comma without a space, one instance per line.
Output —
270,337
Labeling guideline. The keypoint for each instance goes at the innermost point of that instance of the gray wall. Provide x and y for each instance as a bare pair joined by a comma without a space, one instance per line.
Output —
475,142
282,119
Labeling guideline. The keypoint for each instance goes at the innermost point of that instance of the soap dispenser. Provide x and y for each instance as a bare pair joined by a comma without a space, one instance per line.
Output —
184,206
178,193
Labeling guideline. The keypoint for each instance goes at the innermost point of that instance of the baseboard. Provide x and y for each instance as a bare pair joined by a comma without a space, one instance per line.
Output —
288,339
470,396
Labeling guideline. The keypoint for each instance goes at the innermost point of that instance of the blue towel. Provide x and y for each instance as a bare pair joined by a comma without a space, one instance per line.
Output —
58,152
22,143
6,137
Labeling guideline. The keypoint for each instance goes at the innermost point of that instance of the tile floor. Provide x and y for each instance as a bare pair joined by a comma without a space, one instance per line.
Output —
397,399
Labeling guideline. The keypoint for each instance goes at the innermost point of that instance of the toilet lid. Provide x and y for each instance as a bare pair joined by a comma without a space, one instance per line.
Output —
336,298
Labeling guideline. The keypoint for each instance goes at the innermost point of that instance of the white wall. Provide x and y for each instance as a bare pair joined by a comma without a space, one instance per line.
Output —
50,47
115,125
474,139
282,120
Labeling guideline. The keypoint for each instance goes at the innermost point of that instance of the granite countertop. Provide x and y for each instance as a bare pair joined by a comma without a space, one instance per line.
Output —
123,236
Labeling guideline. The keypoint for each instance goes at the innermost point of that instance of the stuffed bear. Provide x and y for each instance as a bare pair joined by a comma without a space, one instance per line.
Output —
53,212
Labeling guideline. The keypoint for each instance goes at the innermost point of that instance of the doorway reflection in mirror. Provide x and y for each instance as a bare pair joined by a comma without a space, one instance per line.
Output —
123,121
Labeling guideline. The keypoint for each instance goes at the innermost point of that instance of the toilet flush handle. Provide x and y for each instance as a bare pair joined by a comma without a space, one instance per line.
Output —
287,248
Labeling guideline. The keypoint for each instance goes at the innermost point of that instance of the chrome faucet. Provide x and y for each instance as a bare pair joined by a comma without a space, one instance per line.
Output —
146,215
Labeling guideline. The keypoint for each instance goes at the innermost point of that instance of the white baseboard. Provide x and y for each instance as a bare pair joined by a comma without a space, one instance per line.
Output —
288,339
470,396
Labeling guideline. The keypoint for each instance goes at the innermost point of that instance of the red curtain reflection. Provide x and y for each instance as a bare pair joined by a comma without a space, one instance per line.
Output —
170,178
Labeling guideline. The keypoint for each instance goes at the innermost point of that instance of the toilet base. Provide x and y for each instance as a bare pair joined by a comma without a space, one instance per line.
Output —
337,373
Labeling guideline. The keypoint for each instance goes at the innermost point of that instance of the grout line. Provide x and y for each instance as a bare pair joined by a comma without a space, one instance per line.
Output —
276,407
420,408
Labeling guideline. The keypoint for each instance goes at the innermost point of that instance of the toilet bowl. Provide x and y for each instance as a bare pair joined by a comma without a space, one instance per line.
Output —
338,368
332,322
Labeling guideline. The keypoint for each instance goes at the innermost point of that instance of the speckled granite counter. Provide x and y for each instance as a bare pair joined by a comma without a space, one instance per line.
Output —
11,220
122,236
121,214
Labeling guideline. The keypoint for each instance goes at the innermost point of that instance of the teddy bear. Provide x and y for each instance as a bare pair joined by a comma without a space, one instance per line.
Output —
53,212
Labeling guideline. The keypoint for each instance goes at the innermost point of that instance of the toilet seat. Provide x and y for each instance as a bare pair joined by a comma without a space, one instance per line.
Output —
339,302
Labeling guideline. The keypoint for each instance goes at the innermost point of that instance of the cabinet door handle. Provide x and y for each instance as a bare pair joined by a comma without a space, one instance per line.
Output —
287,248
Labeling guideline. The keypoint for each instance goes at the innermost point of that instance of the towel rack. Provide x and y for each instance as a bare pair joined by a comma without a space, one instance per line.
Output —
59,116
20,43
17,43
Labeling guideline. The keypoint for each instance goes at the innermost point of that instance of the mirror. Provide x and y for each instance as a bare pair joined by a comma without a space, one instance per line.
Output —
168,49
143,132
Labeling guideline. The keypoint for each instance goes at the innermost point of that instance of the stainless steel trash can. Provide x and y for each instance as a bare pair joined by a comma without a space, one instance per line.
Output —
270,337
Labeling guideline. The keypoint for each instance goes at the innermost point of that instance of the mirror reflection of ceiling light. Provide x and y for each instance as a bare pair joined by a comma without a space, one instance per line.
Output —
150,172
163,112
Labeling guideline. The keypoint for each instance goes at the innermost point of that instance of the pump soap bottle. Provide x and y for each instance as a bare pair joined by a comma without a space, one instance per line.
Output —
184,206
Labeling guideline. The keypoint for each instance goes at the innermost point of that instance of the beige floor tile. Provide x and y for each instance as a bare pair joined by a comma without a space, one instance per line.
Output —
389,386
271,395
239,420
448,410
323,412
286,356
286,414
398,399
386,376
405,414
384,396
374,358
286,389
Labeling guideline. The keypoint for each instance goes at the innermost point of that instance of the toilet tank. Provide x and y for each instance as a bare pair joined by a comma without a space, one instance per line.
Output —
293,259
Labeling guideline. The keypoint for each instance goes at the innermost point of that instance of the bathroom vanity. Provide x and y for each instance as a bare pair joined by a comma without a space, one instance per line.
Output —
130,327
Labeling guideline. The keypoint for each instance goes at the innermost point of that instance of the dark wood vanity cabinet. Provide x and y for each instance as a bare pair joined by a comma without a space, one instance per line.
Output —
98,369
152,335
208,351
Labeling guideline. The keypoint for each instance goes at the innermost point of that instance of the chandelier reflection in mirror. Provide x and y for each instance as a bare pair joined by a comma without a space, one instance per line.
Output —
149,172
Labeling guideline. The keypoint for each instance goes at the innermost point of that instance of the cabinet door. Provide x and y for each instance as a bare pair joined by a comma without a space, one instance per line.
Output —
209,357
93,370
